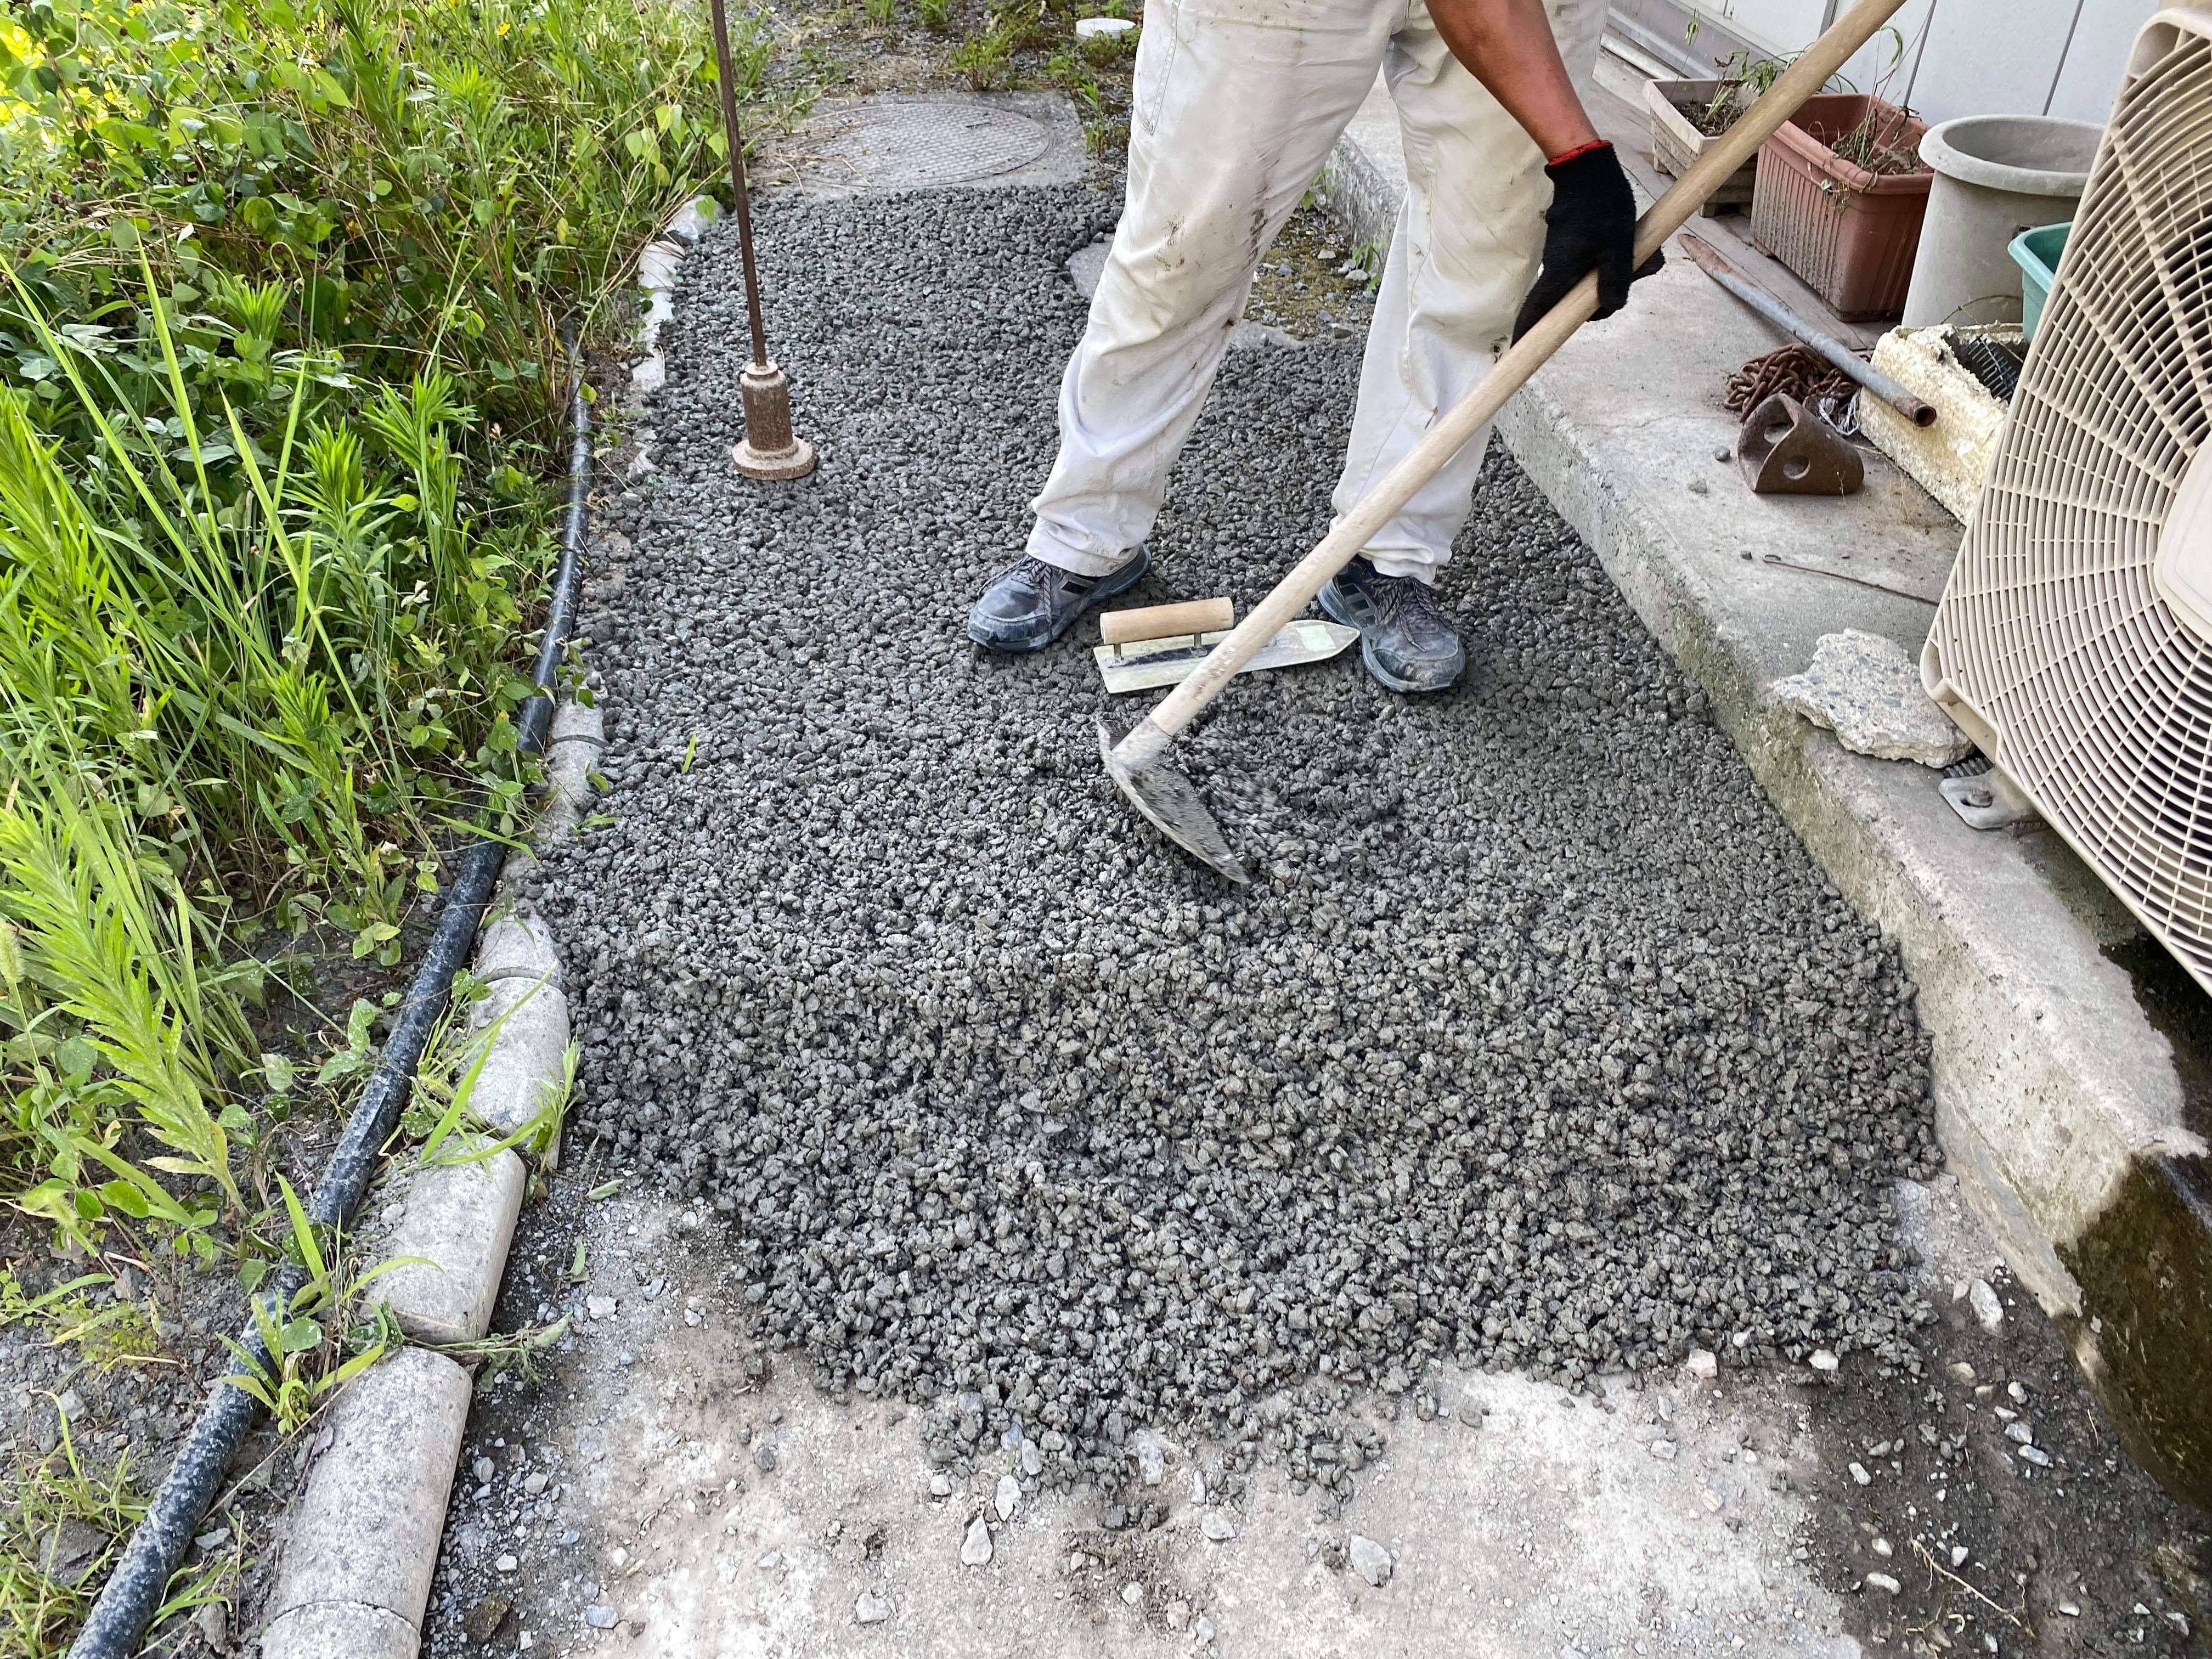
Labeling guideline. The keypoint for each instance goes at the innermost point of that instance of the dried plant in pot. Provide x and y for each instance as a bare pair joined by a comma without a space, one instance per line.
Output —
1839,199
1687,117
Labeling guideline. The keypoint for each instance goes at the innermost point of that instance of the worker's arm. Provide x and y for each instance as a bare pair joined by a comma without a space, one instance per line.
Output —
1507,44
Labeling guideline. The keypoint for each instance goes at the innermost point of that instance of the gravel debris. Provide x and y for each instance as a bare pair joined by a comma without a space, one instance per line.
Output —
1538,1042
975,1548
1368,1560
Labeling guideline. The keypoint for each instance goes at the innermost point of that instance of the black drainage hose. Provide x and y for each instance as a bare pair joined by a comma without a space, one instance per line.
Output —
134,1591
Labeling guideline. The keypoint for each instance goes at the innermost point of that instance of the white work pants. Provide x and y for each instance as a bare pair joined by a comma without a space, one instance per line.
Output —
1236,107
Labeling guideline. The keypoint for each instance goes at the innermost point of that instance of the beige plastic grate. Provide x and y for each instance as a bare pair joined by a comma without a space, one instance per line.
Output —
2075,639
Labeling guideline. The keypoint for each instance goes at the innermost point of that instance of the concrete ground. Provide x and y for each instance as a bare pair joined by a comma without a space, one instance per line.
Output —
671,1489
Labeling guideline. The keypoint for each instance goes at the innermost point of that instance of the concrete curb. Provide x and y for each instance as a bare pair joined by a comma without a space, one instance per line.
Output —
361,1544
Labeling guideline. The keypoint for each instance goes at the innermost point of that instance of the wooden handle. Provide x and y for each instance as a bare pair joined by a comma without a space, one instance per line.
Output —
1804,77
1156,621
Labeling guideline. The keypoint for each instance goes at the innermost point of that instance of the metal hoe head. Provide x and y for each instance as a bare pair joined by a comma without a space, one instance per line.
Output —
1170,800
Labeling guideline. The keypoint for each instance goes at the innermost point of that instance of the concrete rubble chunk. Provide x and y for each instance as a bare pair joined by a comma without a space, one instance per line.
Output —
975,1548
1702,1365
1822,1360
1987,1309
363,1540
1866,688
1369,1560
449,1246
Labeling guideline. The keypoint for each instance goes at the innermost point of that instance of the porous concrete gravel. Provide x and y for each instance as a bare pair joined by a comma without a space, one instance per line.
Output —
1537,1041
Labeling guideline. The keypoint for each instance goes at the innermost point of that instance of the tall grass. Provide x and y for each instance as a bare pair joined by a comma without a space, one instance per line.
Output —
282,283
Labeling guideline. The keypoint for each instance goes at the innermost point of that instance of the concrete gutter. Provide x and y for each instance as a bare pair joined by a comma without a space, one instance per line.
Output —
2064,1111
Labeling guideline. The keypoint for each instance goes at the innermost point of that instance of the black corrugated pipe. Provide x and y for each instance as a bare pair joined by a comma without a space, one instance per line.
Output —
134,1591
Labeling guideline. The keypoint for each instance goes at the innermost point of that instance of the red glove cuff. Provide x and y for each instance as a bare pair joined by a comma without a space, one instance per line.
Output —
1579,149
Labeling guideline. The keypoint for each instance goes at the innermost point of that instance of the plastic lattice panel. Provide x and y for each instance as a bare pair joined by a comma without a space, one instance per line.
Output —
2055,646
901,146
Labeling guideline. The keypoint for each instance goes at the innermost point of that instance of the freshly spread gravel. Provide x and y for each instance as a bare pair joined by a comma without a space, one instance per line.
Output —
1537,1041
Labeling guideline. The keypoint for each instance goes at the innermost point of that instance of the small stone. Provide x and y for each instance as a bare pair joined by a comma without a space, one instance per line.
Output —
975,1548
1962,1371
1032,1459
2071,1609
213,1626
764,1456
1217,1527
534,1484
1959,1553
1699,487
1712,1501
1368,1560
1859,1474
482,1622
1822,1360
1178,1615
600,1616
1881,1548
2018,1394
505,1563
1202,1631
1702,1365
1008,1498
1884,1582
2036,1455
1663,1450
2019,1432
601,1307
871,1608
1132,1593
68,1553
770,1561
483,1469
1723,454
1987,1308
940,1486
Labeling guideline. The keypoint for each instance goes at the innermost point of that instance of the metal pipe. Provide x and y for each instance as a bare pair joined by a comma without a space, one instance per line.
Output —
135,1590
740,196
1916,410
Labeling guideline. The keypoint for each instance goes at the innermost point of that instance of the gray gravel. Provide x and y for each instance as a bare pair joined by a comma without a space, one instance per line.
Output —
1538,1042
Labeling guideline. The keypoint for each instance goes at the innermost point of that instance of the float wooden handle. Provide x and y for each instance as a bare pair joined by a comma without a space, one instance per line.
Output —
1157,621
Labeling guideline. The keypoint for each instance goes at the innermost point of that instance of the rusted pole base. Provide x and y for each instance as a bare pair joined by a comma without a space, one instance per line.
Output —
769,451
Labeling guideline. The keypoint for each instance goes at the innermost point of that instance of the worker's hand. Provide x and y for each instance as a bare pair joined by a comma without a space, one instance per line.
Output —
1591,224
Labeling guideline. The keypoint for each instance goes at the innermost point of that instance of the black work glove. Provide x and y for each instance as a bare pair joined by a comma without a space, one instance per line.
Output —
1590,223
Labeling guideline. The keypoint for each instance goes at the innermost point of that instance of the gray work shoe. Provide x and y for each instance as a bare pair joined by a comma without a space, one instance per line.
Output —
1405,639
1030,604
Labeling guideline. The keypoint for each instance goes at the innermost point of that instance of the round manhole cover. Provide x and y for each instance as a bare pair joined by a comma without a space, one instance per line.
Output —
898,146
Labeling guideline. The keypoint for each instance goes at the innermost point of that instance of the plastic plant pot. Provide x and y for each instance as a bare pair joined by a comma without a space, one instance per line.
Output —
1996,176
2037,253
1849,233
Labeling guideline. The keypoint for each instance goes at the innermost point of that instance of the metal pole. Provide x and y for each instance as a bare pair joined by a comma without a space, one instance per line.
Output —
768,449
741,197
1916,410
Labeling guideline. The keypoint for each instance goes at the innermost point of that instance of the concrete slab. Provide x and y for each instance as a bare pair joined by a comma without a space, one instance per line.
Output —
2060,1102
907,141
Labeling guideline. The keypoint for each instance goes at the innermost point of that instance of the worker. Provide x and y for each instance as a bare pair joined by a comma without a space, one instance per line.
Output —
1236,105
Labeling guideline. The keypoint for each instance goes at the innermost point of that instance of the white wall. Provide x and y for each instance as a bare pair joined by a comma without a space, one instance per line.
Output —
1972,57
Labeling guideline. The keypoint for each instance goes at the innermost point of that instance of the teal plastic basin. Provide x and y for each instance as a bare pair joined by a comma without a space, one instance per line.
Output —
2036,252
